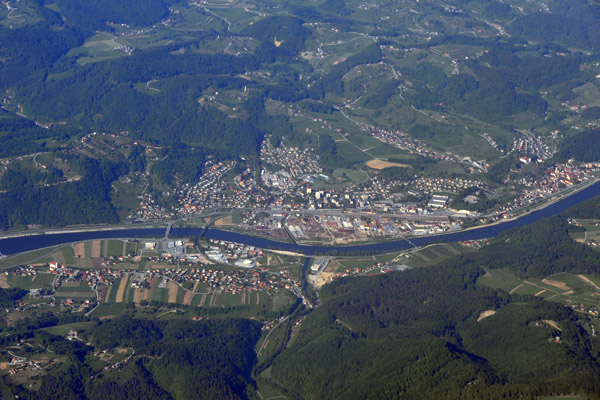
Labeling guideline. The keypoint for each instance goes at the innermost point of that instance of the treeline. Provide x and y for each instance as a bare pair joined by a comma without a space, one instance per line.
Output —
490,97
589,209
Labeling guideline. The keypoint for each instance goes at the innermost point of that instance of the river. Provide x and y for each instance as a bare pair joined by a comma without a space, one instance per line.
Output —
21,244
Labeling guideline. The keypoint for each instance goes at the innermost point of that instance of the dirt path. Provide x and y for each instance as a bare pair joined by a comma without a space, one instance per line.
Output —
552,324
485,314
515,289
107,294
149,291
225,221
122,287
138,295
212,299
3,282
79,249
540,292
188,297
243,298
173,289
203,300
588,281
96,248
557,284
124,248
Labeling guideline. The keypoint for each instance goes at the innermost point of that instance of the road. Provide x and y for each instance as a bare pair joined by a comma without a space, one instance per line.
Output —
269,334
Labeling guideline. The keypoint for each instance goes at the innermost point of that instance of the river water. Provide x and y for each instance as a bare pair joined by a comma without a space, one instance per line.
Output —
27,243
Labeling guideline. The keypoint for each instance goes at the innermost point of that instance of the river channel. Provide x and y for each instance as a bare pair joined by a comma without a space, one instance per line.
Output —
21,244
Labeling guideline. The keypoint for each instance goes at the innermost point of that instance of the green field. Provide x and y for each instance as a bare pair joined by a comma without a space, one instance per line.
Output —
105,310
115,247
432,254
82,290
62,330
31,282
28,257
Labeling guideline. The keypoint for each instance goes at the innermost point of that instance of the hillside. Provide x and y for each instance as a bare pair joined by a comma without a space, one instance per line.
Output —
416,334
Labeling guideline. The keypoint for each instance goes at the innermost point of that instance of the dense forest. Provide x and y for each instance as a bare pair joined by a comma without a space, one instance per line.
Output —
83,201
415,335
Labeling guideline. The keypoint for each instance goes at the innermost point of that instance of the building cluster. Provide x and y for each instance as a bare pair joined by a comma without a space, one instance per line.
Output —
234,253
295,161
532,146
354,228
593,311
233,282
450,185
93,277
556,178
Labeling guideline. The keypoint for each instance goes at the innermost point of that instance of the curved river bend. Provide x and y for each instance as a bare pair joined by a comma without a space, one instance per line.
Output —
27,243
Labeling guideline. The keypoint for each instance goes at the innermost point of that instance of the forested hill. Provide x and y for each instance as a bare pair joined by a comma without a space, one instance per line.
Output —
538,250
415,335
584,146
173,360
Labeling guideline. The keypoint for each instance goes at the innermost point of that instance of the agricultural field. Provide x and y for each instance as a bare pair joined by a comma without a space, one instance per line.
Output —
432,254
563,287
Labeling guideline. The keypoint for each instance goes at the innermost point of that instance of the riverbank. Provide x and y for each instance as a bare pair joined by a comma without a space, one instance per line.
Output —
20,244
